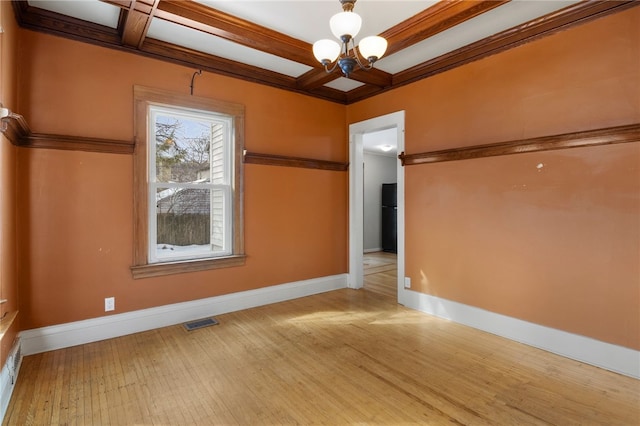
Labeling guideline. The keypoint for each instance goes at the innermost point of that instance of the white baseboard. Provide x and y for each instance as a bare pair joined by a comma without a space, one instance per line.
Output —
371,250
584,349
80,332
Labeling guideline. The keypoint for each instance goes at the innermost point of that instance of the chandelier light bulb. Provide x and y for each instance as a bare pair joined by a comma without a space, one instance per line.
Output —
372,47
345,24
326,50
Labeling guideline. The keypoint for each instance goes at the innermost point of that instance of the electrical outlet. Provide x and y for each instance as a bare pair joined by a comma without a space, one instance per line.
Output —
407,282
109,304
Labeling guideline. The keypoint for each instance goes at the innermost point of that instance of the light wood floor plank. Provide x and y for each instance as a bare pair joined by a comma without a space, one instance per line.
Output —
343,357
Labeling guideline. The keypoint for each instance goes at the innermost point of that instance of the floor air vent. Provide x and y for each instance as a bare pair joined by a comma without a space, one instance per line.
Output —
194,325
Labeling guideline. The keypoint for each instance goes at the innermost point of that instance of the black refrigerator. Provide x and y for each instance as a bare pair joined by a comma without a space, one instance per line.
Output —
389,229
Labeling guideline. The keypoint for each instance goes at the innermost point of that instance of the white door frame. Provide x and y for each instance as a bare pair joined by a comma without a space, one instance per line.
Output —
356,196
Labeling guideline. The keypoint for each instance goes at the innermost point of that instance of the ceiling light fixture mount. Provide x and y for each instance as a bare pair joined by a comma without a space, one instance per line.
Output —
345,26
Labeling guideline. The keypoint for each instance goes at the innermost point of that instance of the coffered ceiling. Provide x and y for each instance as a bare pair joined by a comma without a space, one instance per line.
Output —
270,42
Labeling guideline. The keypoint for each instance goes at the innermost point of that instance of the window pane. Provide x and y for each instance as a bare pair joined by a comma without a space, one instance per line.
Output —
183,222
183,147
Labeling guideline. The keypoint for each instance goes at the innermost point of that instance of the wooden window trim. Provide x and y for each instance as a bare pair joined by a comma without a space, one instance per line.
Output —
159,269
141,268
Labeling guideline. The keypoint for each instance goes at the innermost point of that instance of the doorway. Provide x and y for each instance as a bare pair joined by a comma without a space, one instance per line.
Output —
356,197
380,212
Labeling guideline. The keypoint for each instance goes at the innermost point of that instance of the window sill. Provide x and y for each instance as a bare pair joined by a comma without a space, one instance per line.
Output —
160,269
6,322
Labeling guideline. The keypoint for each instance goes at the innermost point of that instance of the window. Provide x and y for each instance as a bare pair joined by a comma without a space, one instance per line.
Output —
189,184
188,192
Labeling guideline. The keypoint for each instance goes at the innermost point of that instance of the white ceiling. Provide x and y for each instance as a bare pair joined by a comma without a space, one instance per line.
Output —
382,142
308,20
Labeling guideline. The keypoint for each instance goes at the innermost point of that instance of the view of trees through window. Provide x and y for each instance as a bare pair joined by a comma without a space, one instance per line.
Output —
182,149
191,185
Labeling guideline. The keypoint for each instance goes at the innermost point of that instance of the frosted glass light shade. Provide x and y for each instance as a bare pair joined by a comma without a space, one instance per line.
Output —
345,23
326,50
372,46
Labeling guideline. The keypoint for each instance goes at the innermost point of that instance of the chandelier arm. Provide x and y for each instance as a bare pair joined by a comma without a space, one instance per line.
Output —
330,70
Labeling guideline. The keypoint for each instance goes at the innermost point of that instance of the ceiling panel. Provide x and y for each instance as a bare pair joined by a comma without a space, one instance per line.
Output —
344,84
87,10
207,43
489,23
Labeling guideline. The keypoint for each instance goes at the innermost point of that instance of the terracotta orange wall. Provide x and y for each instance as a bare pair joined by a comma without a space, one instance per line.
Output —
557,245
8,260
76,207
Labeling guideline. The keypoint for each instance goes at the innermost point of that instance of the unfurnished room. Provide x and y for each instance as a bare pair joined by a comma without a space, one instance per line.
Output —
339,212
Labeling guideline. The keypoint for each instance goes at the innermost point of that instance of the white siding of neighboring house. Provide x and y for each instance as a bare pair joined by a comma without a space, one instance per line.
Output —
217,177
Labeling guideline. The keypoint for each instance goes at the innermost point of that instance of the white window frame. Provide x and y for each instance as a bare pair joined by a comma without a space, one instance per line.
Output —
225,188
151,101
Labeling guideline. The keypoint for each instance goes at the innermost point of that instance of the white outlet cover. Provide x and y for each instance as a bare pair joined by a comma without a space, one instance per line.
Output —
407,282
109,304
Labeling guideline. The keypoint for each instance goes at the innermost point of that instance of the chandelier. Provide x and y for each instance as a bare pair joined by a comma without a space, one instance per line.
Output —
345,26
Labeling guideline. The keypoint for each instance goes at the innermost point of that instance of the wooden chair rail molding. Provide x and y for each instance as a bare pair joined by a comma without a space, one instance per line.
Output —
281,160
607,136
16,129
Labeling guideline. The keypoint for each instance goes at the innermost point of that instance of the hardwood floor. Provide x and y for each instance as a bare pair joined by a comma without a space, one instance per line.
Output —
380,273
342,357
